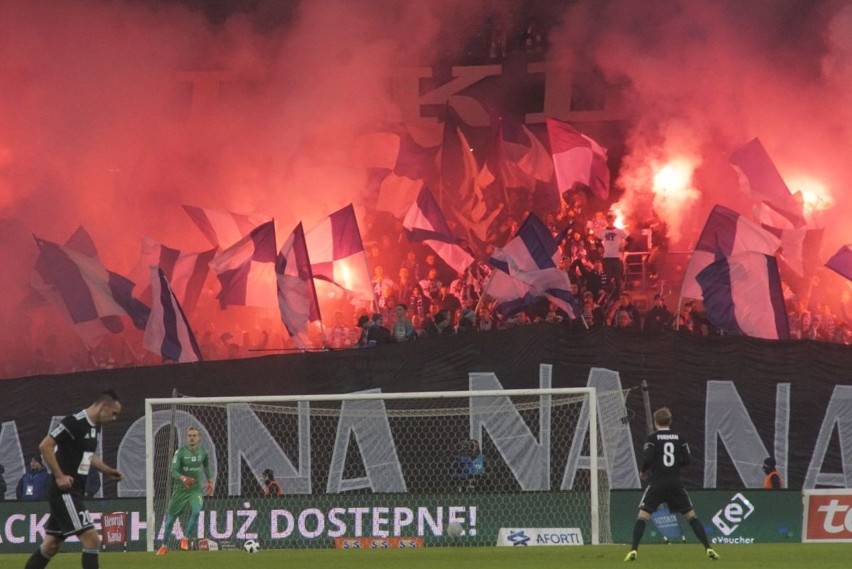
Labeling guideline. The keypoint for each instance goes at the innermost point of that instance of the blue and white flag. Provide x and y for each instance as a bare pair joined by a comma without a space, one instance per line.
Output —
760,179
168,332
725,233
425,223
337,253
94,297
297,296
742,296
530,260
224,228
187,272
246,270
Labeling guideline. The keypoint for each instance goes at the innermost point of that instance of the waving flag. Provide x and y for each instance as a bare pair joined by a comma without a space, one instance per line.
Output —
186,272
95,298
458,163
725,233
841,262
337,253
742,296
297,297
246,270
577,159
425,223
168,332
81,242
224,228
400,165
799,247
523,149
760,179
529,260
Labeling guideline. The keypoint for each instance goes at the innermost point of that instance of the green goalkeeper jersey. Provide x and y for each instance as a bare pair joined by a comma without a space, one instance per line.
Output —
188,463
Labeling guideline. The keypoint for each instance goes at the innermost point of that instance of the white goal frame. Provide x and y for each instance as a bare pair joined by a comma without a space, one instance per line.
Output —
591,392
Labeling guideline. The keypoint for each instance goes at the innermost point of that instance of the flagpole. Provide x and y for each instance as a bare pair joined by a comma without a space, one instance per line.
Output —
483,293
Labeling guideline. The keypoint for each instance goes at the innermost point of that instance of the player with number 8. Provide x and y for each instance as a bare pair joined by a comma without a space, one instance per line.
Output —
188,463
664,454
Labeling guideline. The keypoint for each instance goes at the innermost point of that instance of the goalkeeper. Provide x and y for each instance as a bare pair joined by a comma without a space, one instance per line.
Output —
187,464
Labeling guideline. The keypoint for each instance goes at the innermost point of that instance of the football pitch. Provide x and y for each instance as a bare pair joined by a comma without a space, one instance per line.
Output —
775,556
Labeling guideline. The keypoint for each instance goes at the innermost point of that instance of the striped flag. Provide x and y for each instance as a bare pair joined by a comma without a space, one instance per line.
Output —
399,164
726,233
425,223
577,159
95,298
186,272
528,259
246,270
760,179
297,296
799,247
168,332
337,253
224,228
742,296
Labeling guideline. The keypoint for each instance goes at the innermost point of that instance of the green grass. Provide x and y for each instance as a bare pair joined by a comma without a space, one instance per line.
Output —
774,556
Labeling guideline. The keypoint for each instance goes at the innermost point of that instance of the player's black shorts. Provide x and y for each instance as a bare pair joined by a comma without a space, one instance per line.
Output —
68,514
673,493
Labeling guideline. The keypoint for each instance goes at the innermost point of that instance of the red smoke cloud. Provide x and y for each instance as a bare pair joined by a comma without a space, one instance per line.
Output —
99,125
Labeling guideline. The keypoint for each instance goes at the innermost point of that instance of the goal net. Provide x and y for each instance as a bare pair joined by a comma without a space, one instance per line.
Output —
405,469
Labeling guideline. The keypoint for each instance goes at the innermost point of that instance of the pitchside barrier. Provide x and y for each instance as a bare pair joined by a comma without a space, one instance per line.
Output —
736,516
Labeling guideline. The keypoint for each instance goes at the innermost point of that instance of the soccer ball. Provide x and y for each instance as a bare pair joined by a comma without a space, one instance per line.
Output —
455,529
251,546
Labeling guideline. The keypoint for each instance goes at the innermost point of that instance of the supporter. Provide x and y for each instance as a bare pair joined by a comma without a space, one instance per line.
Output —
659,318
687,321
380,281
403,328
419,303
614,240
431,286
592,314
467,321
339,335
404,285
440,325
377,334
623,321
412,265
626,305
447,300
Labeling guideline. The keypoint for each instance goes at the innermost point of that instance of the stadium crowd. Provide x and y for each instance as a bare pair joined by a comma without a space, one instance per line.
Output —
417,294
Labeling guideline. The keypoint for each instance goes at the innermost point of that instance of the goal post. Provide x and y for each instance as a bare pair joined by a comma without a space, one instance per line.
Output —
443,468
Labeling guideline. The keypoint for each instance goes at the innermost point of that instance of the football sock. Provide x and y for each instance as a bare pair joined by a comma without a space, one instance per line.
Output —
193,520
38,560
170,524
90,559
638,532
699,532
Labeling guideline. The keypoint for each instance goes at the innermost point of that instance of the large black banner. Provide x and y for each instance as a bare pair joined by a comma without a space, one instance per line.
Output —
734,398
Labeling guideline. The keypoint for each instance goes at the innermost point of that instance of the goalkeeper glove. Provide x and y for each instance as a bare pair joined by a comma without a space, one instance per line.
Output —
187,481
209,490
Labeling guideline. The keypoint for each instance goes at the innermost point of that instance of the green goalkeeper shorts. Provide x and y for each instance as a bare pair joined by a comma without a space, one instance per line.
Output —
180,500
